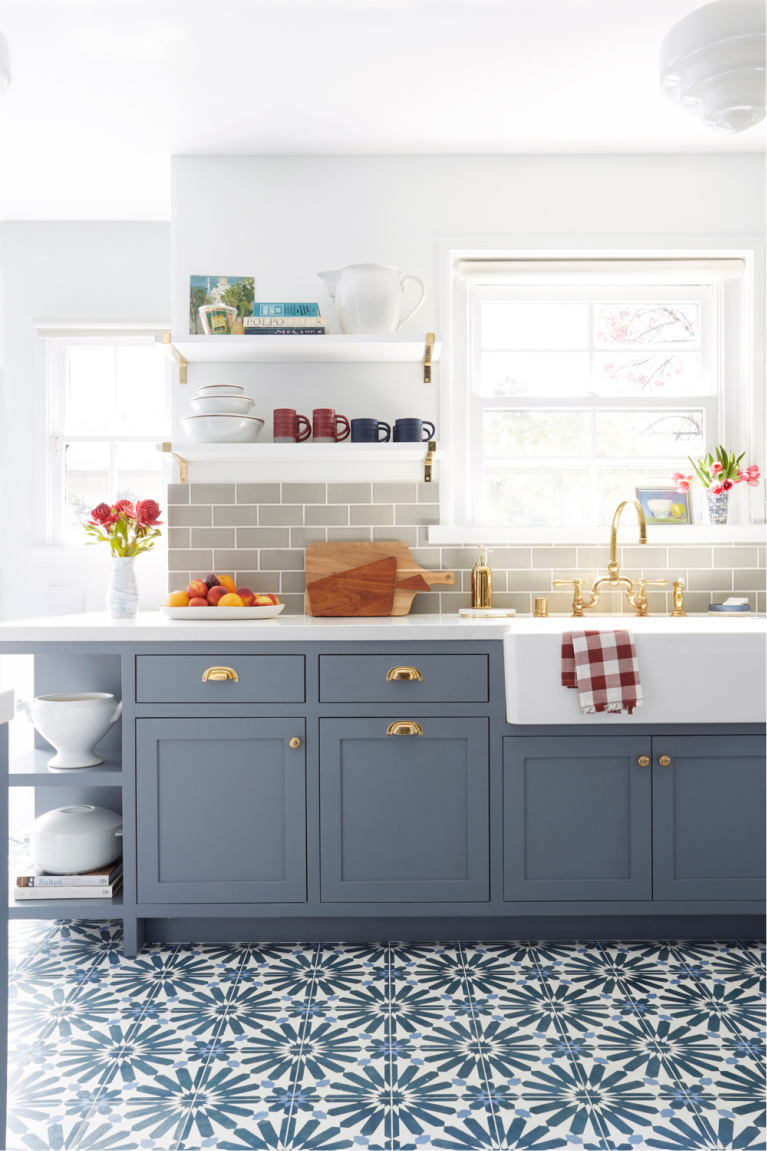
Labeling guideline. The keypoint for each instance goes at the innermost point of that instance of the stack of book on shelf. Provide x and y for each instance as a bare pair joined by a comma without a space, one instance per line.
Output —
285,320
100,884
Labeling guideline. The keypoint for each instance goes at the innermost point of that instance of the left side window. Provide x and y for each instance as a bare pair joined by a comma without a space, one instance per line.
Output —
108,408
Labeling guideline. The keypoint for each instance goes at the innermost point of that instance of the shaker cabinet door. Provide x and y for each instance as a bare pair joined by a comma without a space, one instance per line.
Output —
708,817
576,818
404,818
221,811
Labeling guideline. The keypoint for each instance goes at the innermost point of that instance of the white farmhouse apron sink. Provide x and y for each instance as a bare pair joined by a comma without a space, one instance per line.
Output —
702,669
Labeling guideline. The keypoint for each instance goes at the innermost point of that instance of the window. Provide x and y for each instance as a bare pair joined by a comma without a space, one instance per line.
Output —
109,407
585,378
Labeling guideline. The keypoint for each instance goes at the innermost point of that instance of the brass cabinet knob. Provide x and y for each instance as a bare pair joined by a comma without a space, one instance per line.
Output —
404,727
294,742
644,761
219,674
399,673
664,761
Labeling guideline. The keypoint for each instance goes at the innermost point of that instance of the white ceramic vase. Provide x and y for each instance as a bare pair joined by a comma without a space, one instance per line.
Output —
122,593
74,724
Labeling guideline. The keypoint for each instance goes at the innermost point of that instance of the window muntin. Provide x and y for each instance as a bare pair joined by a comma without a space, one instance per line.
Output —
580,392
109,407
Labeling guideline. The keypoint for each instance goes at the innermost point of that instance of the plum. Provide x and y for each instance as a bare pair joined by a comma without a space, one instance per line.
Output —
211,581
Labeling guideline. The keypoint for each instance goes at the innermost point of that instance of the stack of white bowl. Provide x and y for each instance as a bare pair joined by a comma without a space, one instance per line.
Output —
222,416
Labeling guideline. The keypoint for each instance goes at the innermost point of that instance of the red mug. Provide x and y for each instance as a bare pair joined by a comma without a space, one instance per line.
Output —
290,427
325,426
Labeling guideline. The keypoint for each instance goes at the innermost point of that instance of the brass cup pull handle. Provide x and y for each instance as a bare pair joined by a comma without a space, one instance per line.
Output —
294,742
399,673
218,674
664,761
404,727
643,761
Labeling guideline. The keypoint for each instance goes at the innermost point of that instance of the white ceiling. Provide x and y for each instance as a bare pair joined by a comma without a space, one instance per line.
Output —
105,91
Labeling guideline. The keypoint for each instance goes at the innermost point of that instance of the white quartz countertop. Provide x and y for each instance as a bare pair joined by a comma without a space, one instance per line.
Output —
149,627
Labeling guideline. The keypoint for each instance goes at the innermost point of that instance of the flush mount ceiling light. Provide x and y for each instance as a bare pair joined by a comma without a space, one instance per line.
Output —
5,65
713,64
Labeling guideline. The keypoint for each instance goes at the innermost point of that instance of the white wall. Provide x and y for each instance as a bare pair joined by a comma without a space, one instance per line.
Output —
282,219
77,272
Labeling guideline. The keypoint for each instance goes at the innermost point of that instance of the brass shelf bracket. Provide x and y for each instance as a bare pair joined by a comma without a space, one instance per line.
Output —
178,358
427,357
429,462
183,466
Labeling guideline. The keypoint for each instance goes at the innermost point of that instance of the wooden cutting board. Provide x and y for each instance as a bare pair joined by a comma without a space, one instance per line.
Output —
324,561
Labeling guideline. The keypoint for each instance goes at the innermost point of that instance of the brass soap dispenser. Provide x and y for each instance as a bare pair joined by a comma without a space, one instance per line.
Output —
481,581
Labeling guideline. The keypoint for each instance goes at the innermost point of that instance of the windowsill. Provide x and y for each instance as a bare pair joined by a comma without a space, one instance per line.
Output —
82,553
659,534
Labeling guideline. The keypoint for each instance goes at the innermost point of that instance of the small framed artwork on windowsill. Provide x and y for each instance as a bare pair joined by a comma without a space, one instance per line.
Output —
664,504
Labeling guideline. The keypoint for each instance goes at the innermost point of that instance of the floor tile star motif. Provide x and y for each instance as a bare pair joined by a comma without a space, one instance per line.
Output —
386,1046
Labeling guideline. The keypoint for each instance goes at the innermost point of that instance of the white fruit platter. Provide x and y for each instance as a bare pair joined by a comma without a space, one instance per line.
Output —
211,614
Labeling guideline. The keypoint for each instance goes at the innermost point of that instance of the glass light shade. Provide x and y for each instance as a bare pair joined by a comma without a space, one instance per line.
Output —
713,64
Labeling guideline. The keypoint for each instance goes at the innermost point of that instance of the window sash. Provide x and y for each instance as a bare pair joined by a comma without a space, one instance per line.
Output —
706,398
55,521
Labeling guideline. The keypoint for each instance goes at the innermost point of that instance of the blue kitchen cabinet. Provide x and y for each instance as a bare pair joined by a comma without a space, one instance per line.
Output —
708,817
576,818
221,811
404,818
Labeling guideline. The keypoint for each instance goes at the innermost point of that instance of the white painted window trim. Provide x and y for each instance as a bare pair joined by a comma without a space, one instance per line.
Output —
54,339
741,421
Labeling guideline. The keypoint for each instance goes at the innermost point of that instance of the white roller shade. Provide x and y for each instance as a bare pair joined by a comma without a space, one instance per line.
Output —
599,271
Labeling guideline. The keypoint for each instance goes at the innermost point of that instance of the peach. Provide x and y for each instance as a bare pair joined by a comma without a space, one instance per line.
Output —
197,588
198,601
263,601
230,600
228,583
177,599
272,596
215,595
246,595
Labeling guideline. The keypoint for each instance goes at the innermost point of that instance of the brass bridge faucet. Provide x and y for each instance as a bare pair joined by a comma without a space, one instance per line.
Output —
636,592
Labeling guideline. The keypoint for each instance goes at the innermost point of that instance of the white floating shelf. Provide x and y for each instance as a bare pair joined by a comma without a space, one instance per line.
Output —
302,349
302,453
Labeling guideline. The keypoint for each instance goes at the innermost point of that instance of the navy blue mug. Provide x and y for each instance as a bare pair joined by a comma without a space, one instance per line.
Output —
369,432
413,431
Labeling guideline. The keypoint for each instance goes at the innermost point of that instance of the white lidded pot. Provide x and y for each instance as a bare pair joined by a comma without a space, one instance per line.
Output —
368,298
73,723
70,840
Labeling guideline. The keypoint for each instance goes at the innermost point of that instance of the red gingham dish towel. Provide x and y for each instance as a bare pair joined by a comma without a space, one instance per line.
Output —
602,665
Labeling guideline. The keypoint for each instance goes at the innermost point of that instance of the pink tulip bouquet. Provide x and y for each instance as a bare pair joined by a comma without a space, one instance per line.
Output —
128,530
717,473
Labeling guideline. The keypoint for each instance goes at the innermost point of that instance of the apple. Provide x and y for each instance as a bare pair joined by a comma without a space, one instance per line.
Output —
215,594
246,595
198,601
263,601
197,589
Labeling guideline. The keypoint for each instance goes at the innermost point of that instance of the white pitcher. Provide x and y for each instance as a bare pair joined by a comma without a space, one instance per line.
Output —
74,724
368,298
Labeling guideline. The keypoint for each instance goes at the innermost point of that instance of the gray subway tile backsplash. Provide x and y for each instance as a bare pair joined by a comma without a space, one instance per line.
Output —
258,532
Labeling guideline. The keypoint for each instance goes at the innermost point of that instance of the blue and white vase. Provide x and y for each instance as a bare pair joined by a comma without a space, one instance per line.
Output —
717,507
122,593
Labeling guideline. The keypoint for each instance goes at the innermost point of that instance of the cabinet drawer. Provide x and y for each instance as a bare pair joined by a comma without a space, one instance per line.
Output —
363,678
260,679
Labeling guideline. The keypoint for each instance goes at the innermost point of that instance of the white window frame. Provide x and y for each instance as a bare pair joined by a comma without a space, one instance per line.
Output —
56,439
738,305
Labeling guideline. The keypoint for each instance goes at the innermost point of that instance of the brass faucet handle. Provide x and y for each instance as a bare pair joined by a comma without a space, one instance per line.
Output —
578,602
639,598
679,586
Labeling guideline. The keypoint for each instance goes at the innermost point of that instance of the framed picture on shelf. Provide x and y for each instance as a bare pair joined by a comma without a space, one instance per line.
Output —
218,304
663,504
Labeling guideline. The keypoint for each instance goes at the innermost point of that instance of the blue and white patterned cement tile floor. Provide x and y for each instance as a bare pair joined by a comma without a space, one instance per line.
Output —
384,1046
